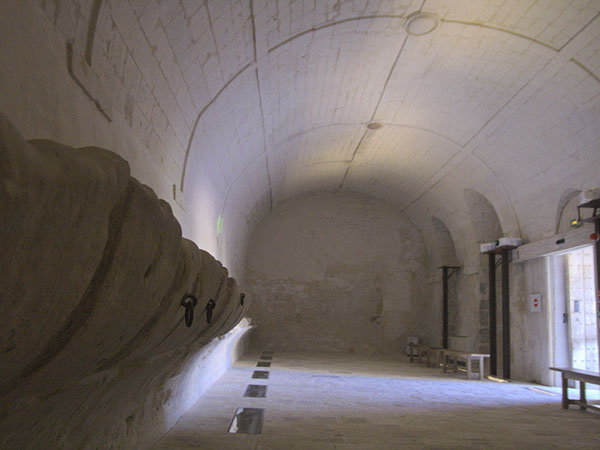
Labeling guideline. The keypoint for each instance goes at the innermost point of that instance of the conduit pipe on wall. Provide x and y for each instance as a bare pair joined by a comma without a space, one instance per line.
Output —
590,200
492,312
447,272
504,252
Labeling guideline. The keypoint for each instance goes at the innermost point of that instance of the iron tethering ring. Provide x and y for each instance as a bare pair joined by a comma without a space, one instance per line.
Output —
209,310
188,302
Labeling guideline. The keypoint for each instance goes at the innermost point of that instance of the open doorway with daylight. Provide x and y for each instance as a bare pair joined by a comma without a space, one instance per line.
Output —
573,310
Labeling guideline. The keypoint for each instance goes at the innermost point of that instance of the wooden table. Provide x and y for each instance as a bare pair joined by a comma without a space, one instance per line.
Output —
583,376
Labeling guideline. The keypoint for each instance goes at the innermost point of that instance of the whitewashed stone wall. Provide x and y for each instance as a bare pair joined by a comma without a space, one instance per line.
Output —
338,272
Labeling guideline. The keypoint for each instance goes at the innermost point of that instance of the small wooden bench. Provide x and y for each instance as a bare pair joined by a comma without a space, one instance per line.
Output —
417,351
438,352
451,357
583,376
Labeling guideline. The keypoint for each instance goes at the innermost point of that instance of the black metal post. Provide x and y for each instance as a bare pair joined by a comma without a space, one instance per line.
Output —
492,288
505,317
597,244
444,306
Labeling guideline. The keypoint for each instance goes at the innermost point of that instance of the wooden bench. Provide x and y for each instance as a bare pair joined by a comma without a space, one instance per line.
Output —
438,352
451,357
583,376
417,351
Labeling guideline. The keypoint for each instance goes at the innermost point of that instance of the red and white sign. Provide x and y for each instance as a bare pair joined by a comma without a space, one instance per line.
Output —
535,303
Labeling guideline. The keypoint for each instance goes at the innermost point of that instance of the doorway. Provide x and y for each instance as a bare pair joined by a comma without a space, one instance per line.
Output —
573,313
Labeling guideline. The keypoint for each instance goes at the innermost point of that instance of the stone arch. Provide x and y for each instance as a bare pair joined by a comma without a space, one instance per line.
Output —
566,210
484,218
487,228
446,256
445,243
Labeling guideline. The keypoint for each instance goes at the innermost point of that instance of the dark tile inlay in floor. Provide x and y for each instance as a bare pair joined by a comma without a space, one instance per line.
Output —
266,357
247,420
256,390
262,374
263,364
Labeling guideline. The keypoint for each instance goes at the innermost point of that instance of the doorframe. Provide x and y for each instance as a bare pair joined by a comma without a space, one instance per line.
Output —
551,316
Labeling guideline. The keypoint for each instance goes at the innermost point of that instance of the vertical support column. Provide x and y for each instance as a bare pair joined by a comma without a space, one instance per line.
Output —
505,316
597,248
565,391
444,306
597,251
492,289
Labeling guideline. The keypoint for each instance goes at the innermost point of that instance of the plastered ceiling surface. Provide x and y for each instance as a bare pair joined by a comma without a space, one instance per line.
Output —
245,104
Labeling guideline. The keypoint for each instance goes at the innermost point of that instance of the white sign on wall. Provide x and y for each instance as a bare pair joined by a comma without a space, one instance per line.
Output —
535,302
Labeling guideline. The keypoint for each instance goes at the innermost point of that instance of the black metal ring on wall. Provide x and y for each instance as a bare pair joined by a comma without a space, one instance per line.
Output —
242,297
188,302
209,310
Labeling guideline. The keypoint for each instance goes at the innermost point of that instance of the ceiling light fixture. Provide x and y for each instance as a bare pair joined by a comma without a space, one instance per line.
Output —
420,23
374,126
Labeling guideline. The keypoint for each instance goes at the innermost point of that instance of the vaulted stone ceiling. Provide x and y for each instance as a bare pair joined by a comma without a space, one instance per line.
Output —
244,104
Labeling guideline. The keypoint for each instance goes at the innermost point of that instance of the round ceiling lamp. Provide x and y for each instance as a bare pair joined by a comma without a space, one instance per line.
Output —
420,23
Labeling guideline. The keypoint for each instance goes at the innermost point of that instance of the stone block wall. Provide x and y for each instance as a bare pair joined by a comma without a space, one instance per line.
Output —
338,272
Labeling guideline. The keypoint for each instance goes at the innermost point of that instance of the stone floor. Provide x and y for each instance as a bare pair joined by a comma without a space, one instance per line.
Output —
341,401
